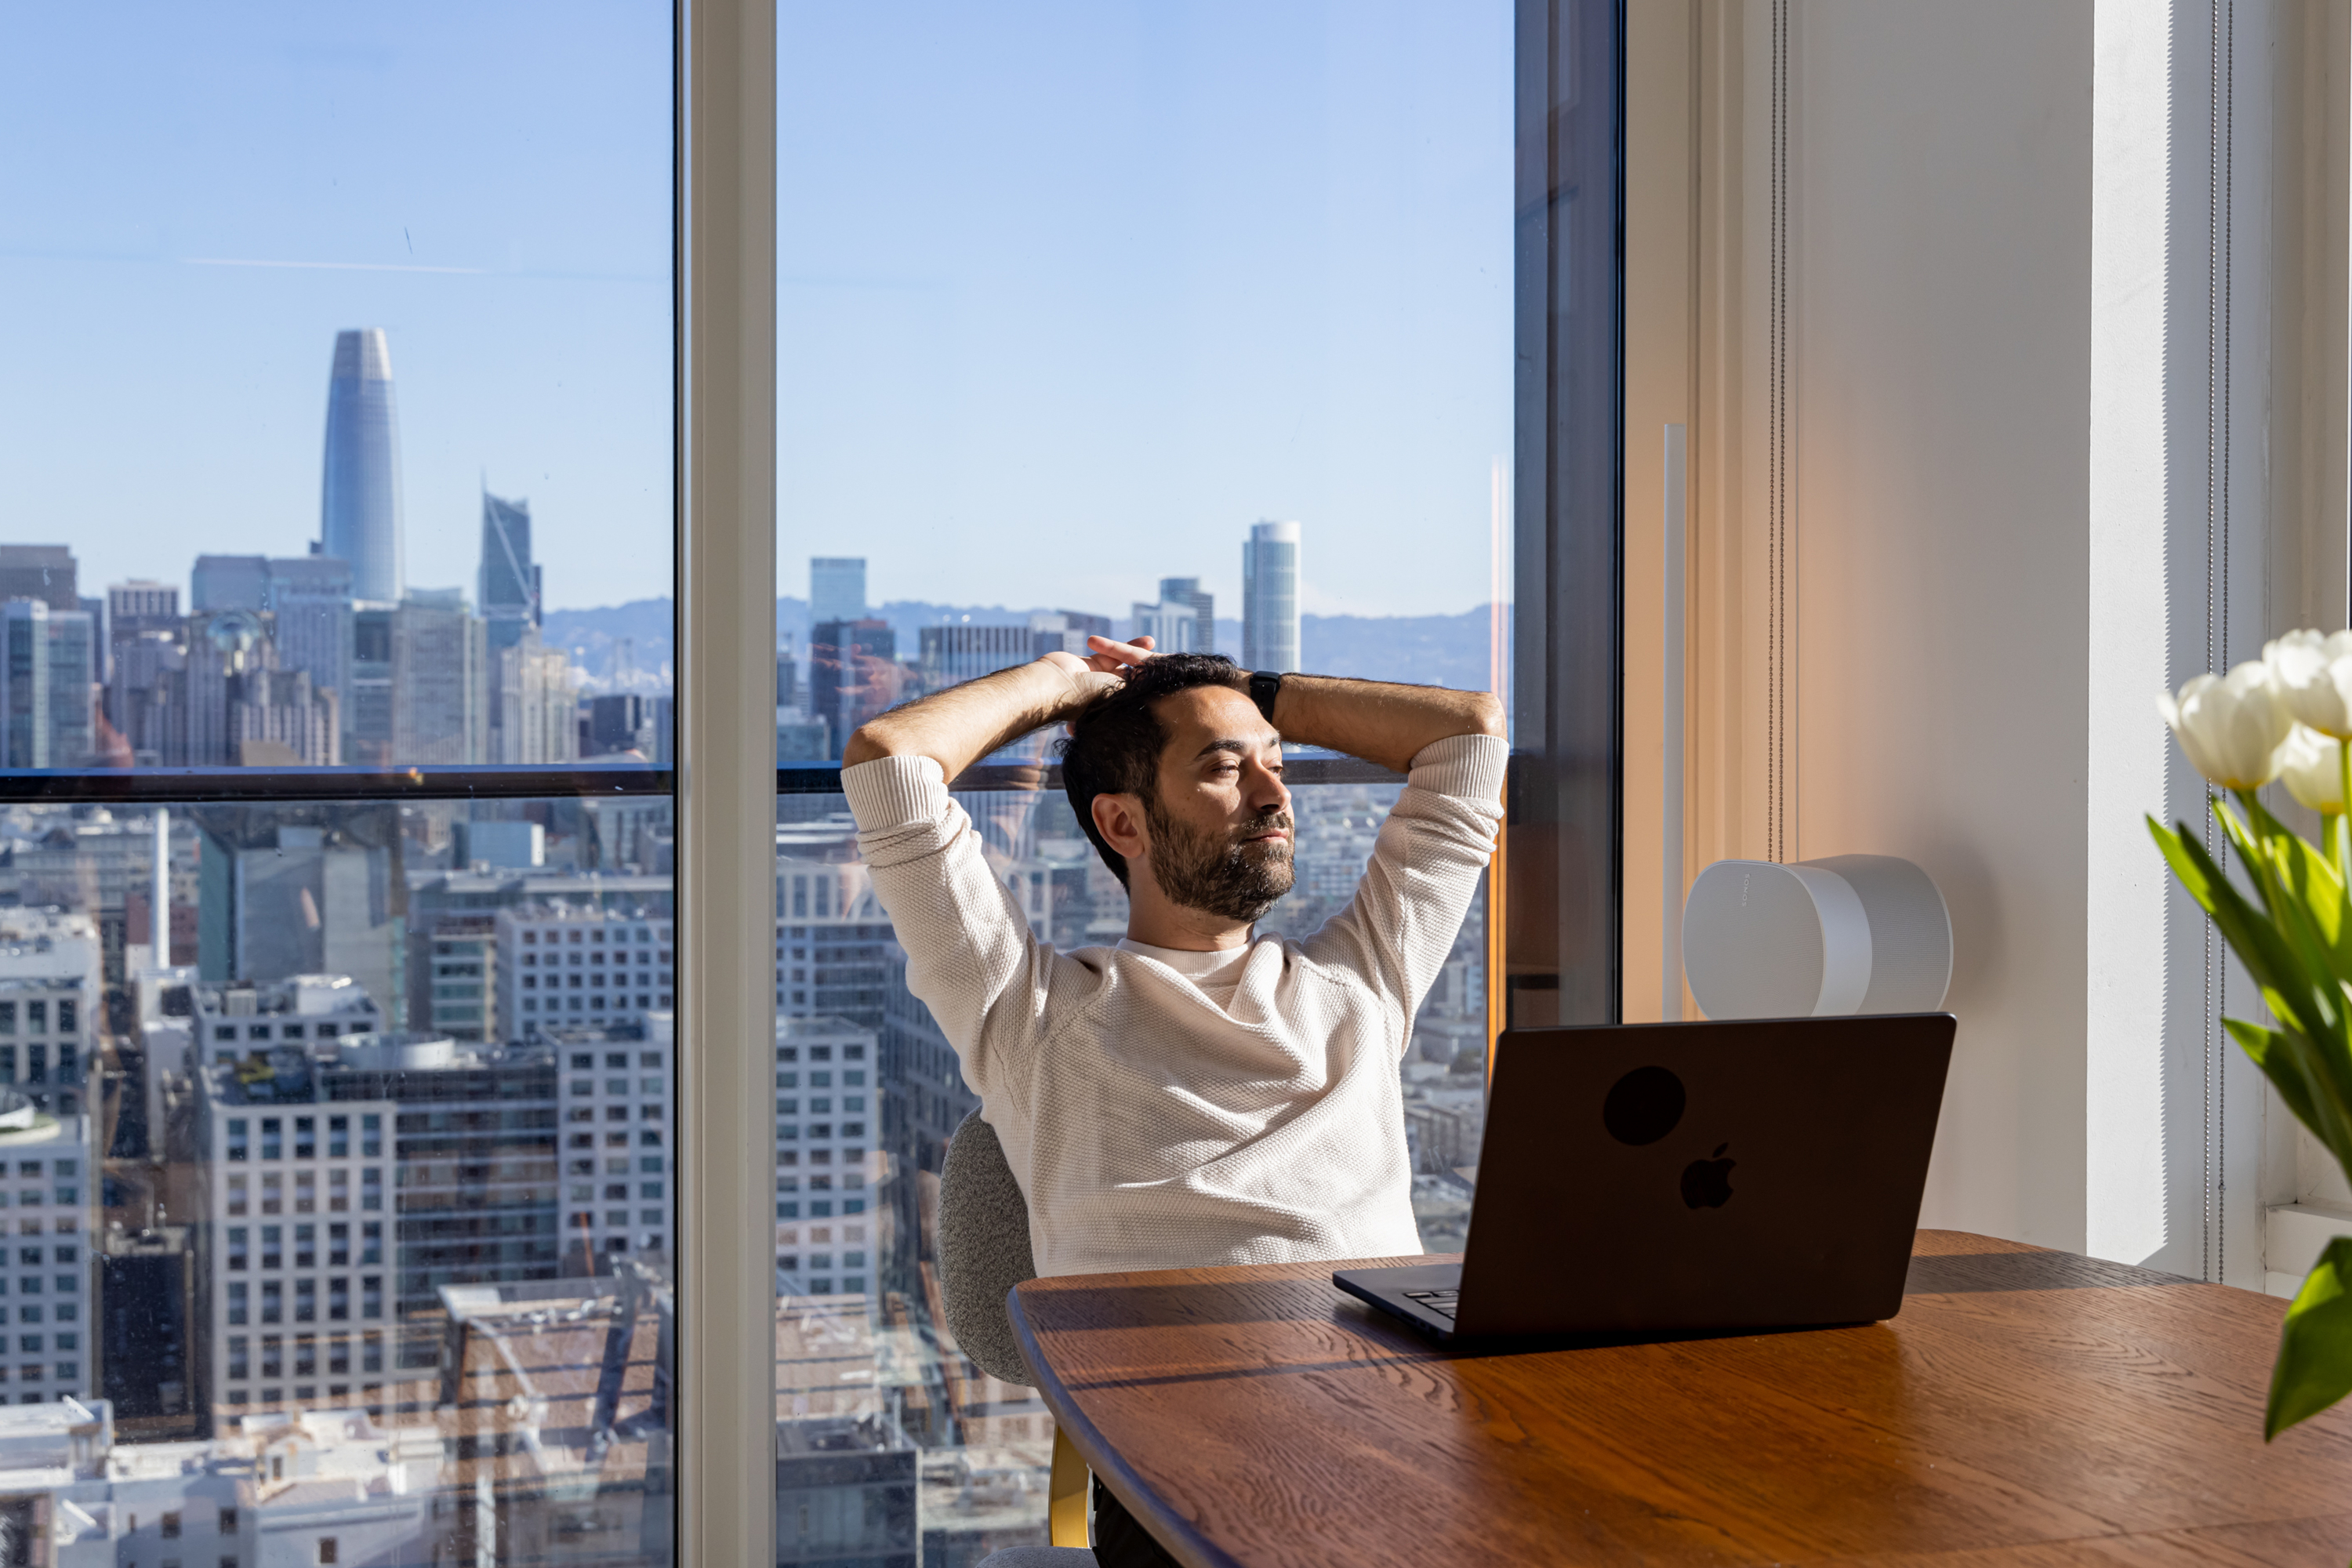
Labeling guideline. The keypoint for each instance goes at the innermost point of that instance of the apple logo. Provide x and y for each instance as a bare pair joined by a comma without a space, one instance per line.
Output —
1707,1184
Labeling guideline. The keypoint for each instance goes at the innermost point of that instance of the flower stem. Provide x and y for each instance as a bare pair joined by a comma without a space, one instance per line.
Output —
2344,811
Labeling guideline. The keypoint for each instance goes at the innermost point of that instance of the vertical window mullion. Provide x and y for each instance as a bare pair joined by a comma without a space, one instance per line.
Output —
725,640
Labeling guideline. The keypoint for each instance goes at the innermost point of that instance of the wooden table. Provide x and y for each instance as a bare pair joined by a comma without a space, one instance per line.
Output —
2027,1407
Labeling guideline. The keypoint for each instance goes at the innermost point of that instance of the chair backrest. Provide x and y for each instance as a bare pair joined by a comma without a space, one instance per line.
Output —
983,1249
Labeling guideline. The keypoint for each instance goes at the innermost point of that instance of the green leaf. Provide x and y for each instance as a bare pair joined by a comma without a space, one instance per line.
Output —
2315,1359
2310,878
2290,1063
2288,914
2286,986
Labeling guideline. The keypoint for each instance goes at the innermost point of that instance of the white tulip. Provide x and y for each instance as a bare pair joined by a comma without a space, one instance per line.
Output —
2314,677
2311,771
2232,727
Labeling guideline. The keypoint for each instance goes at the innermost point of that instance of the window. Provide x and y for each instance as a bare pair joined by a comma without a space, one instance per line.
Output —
1327,198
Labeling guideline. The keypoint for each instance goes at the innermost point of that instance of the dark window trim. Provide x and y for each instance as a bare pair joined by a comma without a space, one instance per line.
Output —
202,786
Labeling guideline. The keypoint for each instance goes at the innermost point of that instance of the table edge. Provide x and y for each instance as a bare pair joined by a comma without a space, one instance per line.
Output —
1176,1533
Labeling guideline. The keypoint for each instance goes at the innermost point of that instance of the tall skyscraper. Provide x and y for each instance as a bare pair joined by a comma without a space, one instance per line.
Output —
837,588
73,687
1183,621
25,681
507,583
1270,596
43,571
358,505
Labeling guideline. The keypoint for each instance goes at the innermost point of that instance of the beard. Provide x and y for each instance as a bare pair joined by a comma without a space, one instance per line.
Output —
1218,872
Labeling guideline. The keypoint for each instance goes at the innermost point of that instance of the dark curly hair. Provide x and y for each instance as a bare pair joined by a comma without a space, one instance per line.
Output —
1114,746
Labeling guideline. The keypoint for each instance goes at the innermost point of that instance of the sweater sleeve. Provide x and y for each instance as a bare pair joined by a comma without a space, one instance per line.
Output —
1398,931
971,956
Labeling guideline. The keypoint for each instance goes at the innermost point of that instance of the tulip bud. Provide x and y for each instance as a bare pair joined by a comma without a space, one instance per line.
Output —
2232,728
2311,771
2315,679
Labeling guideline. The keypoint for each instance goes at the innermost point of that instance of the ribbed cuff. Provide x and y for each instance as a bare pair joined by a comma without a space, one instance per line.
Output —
894,792
1466,767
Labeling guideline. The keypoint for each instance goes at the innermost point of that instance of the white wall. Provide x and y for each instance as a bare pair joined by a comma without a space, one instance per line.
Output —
2032,458
1941,248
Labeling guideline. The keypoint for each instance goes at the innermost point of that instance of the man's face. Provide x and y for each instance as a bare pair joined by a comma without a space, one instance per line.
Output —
1220,823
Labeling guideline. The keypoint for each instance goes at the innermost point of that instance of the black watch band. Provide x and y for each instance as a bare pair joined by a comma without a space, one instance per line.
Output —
1265,685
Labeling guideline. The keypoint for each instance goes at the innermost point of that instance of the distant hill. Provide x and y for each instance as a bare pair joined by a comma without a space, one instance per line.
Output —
1442,650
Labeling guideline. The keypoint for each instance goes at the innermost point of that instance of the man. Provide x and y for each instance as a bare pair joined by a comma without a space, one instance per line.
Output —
1193,1095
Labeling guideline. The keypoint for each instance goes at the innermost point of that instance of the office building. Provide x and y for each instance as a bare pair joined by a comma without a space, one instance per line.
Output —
231,1023
453,974
1184,620
309,601
562,964
43,571
371,710
828,1132
74,657
228,582
1064,631
619,722
298,1225
278,718
832,935
1270,596
359,497
534,718
618,1119
313,1266
953,654
507,585
854,673
142,605
46,1337
146,657
300,890
837,588
439,652
24,687
52,990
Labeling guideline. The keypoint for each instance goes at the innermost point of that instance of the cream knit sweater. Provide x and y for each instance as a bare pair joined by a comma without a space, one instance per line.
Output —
1152,1126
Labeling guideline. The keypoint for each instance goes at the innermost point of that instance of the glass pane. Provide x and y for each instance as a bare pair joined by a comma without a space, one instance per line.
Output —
338,384
341,371
378,1189
1201,327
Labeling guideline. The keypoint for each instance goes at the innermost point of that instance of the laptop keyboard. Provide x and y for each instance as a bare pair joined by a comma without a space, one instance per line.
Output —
1441,1302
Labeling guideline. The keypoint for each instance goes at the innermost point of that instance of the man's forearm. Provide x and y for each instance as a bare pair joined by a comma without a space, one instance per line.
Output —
964,723
1379,722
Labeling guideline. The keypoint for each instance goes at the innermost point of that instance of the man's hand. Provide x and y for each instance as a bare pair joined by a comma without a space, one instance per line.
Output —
964,723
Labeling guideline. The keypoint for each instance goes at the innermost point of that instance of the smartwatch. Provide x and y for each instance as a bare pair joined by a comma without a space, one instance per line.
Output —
1264,686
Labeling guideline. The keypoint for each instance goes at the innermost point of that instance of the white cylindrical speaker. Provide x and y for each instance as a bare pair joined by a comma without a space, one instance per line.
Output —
1852,933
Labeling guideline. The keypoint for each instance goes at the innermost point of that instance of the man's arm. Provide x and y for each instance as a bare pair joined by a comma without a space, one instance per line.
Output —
958,726
1379,722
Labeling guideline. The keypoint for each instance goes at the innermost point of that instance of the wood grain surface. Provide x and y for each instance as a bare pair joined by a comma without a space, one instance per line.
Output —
2025,1407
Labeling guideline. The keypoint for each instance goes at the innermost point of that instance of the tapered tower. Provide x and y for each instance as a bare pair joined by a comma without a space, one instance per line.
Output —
358,505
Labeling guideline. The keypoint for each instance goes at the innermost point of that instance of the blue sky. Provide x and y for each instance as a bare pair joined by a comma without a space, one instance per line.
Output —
1070,293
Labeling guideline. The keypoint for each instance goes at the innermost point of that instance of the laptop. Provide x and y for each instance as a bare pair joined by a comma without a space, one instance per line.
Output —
1676,1180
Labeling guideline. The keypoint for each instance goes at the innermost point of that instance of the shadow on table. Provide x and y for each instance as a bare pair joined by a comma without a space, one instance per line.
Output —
1964,1273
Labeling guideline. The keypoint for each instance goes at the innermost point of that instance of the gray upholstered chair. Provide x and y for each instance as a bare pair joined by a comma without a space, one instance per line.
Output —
983,1252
